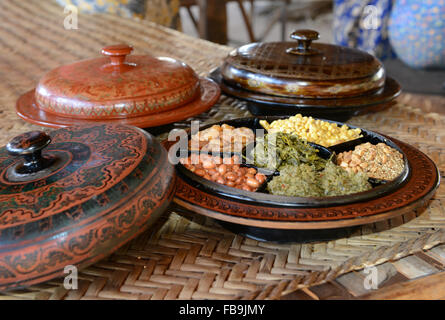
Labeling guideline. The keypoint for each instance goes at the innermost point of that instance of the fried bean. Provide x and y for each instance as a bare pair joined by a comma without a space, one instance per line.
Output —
194,158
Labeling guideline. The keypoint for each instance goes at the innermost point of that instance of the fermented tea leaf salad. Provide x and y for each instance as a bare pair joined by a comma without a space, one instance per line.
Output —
279,149
303,173
305,181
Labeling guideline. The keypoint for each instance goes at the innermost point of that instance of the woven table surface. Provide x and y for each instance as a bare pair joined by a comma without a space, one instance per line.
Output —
186,256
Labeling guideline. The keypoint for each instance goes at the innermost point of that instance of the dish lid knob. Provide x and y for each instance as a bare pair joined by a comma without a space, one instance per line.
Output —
117,53
29,145
304,39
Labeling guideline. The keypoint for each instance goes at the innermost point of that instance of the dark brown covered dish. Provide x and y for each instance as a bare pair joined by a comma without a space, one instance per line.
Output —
303,69
310,78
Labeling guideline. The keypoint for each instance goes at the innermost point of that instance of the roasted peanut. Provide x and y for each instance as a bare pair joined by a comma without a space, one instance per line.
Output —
211,172
252,182
239,180
232,175
249,175
200,172
208,164
222,169
230,183
260,177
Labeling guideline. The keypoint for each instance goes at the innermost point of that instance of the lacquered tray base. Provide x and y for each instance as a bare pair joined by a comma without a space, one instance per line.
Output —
284,236
266,222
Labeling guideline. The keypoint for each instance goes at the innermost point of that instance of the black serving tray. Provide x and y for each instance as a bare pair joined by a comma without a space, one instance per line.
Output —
267,217
261,198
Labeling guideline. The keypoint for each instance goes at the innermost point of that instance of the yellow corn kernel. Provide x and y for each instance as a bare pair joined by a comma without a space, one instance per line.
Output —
312,130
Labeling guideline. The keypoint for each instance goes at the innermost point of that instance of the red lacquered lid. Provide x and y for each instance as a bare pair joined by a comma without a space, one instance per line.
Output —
117,86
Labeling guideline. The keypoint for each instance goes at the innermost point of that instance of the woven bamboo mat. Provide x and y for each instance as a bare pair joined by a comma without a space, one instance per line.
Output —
186,256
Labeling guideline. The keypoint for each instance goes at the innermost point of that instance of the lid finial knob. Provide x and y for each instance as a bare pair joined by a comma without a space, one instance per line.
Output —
29,145
117,53
304,39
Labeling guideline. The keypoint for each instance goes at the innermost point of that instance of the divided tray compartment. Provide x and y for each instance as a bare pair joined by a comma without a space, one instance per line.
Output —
212,186
323,152
267,217
374,138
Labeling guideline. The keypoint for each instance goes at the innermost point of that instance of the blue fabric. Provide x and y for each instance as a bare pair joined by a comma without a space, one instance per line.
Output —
363,24
417,32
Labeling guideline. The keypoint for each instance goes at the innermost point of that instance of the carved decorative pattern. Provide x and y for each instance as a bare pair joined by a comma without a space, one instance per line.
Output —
83,90
333,63
118,183
209,93
335,72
